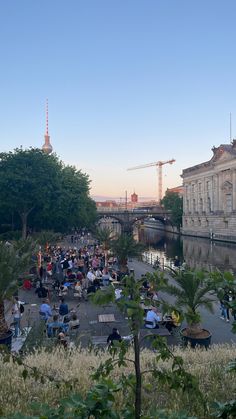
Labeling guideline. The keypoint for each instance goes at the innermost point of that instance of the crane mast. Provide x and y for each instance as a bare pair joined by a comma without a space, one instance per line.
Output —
158,165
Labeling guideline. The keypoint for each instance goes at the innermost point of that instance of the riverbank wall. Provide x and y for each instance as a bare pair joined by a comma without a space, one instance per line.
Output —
204,235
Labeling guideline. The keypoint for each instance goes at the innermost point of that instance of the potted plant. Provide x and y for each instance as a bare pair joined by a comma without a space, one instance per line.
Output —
192,290
14,259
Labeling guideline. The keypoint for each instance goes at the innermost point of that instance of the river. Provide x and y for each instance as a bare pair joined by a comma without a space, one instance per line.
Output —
195,251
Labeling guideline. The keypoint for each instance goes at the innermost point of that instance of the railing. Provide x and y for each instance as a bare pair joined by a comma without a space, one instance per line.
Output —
155,261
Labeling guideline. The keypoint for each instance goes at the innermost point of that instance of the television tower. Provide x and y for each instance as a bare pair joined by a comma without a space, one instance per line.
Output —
47,147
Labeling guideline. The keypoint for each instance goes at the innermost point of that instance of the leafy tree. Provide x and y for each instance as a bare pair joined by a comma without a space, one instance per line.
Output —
178,379
73,207
28,181
173,202
44,192
14,260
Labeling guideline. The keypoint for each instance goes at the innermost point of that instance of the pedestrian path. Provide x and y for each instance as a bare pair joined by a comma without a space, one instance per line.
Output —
221,331
17,343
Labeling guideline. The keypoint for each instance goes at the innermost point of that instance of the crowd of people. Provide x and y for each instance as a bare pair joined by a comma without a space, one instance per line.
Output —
78,270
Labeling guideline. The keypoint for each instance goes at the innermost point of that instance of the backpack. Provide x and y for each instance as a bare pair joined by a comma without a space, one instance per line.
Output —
22,308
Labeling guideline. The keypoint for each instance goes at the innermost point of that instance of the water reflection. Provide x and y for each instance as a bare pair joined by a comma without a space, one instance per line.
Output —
197,252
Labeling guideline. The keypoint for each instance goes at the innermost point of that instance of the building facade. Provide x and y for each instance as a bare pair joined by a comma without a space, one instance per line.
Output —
209,199
177,189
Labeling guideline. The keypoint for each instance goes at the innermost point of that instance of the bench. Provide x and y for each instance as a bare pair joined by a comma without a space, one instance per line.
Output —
162,331
99,340
102,340
106,318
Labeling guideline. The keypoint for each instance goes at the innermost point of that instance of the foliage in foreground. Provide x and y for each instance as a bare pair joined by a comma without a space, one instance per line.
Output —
14,260
64,373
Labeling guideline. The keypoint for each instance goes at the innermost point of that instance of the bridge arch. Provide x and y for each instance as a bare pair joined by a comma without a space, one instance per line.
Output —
127,219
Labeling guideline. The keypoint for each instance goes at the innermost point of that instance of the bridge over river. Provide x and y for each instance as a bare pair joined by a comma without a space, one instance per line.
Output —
127,218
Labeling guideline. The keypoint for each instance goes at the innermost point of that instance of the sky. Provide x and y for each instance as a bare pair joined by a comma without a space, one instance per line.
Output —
129,82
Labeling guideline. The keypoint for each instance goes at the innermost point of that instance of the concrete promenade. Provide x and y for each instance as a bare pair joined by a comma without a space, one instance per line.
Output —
221,331
88,313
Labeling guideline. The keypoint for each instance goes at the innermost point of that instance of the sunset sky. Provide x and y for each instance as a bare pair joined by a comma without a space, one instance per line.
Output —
129,82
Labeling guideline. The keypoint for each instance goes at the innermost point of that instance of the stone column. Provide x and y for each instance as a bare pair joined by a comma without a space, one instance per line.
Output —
234,190
220,181
216,193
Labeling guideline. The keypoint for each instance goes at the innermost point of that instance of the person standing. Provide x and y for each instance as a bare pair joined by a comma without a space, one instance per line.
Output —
16,316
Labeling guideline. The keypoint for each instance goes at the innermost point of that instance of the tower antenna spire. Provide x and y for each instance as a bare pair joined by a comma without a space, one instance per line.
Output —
230,127
47,147
46,116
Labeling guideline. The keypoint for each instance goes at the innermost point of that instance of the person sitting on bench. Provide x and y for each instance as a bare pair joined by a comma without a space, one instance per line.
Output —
55,327
173,322
152,319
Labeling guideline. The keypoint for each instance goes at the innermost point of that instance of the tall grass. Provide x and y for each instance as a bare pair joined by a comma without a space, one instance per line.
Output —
76,366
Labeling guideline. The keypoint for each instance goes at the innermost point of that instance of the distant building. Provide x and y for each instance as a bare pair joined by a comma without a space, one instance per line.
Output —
178,189
209,204
134,198
107,204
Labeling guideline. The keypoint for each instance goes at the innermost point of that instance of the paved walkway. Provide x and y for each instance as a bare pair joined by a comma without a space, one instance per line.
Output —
88,315
221,331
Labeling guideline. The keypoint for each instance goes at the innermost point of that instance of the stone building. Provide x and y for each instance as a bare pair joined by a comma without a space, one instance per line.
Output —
209,201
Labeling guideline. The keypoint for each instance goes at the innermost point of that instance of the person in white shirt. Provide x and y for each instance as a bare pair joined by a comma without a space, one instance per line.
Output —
152,319
90,276
98,273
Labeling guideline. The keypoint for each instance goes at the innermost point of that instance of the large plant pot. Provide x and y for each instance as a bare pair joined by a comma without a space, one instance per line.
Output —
201,339
7,339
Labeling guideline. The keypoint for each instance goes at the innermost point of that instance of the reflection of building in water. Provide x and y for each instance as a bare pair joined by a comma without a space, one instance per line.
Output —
111,223
149,236
209,204
197,252
200,253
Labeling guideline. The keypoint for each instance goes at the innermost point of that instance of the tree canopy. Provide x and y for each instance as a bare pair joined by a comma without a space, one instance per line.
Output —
43,192
172,201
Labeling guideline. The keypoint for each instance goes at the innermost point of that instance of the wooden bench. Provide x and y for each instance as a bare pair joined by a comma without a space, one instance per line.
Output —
106,318
102,340
162,331
99,340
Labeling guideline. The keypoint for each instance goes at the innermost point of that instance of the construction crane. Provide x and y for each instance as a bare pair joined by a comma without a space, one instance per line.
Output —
158,165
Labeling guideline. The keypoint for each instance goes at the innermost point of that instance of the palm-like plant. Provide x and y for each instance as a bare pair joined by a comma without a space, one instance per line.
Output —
46,236
125,247
14,260
191,290
104,236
